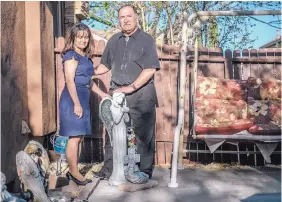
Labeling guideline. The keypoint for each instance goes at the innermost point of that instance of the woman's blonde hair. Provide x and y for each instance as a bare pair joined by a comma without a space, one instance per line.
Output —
72,33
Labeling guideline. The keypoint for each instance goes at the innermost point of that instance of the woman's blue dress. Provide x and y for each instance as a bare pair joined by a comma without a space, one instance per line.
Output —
70,124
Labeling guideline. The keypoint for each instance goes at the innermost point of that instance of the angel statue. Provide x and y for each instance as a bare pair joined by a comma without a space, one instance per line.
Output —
114,114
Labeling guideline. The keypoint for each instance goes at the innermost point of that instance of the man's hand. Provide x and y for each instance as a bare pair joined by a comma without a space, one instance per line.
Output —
125,90
125,109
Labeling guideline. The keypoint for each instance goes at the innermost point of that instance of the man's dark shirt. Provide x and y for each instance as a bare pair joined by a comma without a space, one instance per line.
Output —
126,57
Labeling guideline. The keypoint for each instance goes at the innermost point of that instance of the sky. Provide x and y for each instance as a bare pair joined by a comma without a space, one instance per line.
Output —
264,33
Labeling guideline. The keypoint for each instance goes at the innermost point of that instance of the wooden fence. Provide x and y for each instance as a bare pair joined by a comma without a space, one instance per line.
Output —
212,62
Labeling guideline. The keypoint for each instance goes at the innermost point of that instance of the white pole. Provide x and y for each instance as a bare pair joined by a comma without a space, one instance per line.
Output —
182,74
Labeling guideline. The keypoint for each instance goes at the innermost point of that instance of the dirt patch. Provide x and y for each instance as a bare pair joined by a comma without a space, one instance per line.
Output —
218,166
85,169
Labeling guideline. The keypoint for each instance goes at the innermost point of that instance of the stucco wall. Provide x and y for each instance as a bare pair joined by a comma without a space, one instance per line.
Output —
13,85
48,68
40,67
28,77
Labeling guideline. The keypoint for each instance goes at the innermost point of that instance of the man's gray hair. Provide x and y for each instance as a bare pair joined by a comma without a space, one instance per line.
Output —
128,5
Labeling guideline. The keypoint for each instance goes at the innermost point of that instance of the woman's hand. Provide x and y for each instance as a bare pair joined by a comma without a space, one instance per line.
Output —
78,110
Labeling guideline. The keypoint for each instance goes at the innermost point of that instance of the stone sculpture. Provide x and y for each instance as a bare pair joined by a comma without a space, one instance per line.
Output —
132,172
114,115
40,156
117,112
31,176
33,168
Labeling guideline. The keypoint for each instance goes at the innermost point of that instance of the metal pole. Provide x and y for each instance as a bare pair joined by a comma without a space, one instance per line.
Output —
182,75
185,28
232,13
180,165
195,72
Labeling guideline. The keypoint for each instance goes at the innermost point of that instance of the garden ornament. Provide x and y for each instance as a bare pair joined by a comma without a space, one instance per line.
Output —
31,176
114,115
132,172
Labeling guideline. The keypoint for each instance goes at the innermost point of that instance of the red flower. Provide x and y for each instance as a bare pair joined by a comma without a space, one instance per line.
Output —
134,141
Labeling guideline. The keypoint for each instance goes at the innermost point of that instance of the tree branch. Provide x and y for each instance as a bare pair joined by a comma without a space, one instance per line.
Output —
264,22
103,21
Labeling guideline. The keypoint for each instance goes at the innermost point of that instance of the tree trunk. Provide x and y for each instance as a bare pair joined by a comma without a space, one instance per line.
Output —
171,32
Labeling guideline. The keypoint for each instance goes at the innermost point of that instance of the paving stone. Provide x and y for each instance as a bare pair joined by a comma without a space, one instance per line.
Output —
78,192
88,189
130,187
105,189
57,181
59,195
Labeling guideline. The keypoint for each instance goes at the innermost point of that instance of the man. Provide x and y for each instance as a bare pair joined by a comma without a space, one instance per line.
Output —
131,56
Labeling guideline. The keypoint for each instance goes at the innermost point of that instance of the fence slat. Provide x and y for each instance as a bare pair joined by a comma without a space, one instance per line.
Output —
263,70
277,67
254,67
229,68
246,67
237,67
216,69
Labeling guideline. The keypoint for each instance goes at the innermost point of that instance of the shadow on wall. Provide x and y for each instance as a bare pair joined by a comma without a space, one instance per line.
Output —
92,147
13,86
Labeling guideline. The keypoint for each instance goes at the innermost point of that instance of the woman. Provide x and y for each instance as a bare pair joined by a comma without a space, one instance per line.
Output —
74,102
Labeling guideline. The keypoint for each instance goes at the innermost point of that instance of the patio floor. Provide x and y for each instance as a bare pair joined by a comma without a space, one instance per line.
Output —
207,185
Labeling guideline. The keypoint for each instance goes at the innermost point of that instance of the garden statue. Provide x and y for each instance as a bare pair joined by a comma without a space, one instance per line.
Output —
40,156
118,112
33,168
132,172
114,115
31,176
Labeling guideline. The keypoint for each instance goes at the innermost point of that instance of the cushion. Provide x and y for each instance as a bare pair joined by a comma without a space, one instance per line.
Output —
221,116
221,110
215,88
265,129
260,89
266,115
228,127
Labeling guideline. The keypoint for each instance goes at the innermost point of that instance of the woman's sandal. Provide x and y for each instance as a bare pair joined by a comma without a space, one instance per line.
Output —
78,182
